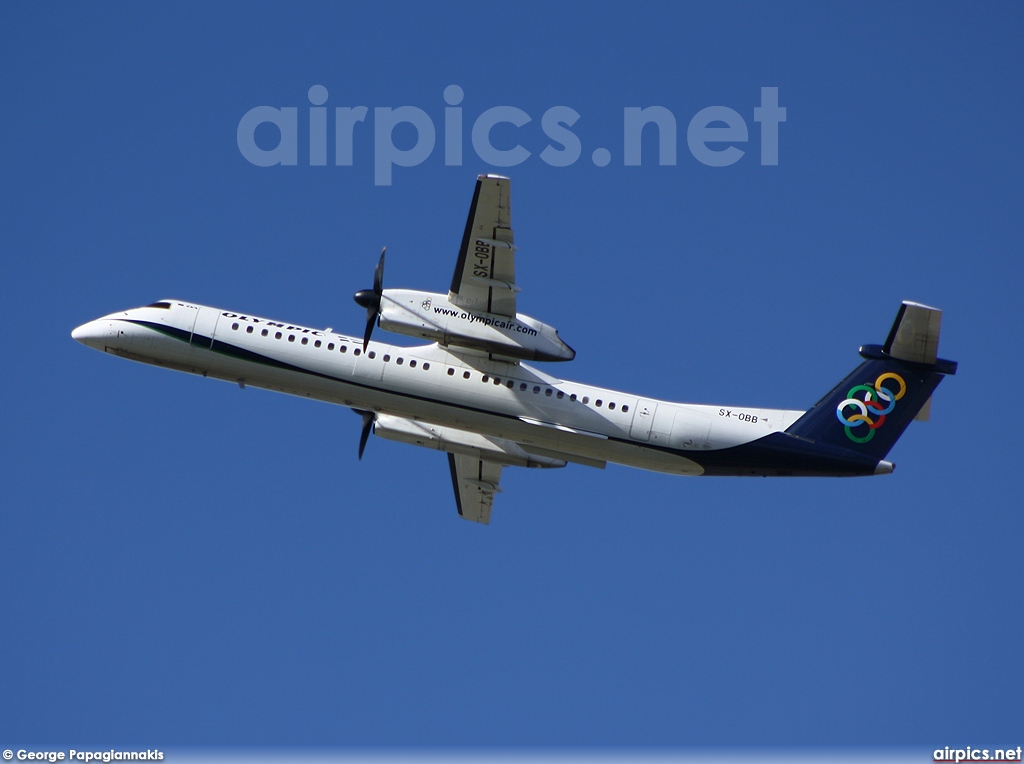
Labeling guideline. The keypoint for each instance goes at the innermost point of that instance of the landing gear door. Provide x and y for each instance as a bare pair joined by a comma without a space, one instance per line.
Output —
643,418
204,327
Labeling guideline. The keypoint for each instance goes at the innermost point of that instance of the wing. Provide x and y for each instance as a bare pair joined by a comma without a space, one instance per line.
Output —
485,275
476,482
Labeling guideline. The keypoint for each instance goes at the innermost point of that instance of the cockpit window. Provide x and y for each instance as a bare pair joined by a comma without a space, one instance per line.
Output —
164,305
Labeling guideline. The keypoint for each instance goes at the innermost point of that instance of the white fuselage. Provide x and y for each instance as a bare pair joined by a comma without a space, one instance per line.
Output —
468,391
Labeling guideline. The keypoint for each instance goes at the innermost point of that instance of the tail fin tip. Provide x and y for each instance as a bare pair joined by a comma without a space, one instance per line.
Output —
914,335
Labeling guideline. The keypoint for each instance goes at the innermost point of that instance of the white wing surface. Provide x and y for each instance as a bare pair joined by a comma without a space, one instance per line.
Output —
485,274
475,481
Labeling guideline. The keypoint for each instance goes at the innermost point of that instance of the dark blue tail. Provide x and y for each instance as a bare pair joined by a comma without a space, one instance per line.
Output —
869,410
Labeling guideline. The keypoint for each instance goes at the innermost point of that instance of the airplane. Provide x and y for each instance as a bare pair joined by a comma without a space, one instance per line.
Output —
470,393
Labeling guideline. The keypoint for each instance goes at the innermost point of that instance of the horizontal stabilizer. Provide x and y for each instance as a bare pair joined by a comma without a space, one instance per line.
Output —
915,334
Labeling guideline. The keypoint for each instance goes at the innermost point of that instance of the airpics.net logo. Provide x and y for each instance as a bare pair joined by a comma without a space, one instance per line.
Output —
716,136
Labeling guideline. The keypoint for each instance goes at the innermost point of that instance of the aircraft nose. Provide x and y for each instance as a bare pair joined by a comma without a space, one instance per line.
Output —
91,333
80,333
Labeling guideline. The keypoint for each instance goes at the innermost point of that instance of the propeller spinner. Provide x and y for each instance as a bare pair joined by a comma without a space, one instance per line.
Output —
370,299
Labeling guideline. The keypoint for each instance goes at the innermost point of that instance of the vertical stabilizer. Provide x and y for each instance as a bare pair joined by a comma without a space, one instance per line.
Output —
869,410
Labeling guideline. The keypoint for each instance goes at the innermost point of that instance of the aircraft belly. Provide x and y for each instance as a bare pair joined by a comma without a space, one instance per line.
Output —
556,441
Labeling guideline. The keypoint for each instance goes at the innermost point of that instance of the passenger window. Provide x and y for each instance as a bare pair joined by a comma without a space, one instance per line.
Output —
450,371
234,327
426,366
536,388
522,385
484,378
548,392
560,394
316,344
586,399
572,397
598,403
248,330
465,375
344,349
510,384
291,338
372,354
625,408
412,363
263,333
277,335
305,340
357,351
330,346
611,406
386,357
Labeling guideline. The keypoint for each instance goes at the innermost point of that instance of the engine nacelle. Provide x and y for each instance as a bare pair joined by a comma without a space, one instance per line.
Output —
432,316
498,450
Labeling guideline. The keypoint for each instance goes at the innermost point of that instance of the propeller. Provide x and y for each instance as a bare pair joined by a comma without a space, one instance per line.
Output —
370,299
368,419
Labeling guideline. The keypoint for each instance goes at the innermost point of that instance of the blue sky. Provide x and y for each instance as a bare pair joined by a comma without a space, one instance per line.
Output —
189,564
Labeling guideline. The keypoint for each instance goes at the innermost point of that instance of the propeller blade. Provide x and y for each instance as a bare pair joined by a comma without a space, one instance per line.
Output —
368,419
371,319
370,298
378,274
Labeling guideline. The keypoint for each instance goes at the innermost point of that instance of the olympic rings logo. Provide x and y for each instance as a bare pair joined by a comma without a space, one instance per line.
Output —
878,401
